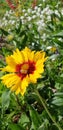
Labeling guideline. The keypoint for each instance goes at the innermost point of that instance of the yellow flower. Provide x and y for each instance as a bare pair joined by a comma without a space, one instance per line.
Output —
23,67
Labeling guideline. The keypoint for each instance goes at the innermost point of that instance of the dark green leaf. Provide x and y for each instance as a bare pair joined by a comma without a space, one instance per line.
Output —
24,119
44,125
4,32
59,79
15,127
36,121
57,101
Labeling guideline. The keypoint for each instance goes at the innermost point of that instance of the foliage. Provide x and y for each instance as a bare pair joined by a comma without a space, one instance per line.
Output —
39,28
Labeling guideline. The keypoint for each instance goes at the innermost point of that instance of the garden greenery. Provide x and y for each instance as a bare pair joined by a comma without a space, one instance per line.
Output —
31,65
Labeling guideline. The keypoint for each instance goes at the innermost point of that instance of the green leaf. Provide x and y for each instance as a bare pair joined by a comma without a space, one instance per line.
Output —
59,79
5,99
15,127
57,101
4,32
59,94
44,125
36,121
54,56
60,34
60,43
24,119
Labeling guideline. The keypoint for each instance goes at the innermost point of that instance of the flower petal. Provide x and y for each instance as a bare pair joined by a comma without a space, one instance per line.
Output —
18,57
10,79
24,85
10,61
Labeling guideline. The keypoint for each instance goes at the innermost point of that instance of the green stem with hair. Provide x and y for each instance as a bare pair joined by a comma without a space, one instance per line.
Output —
43,102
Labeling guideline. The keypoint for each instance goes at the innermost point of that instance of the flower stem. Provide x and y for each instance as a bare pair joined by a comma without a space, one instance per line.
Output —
46,109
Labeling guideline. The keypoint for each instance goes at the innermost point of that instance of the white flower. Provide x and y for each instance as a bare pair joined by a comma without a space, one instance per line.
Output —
34,16
29,10
57,13
36,7
49,47
39,28
23,21
4,18
25,14
33,12
41,16
49,18
40,5
38,14
39,9
23,10
40,23
33,43
44,37
10,12
5,23
30,26
60,39
12,22
44,0
22,17
29,18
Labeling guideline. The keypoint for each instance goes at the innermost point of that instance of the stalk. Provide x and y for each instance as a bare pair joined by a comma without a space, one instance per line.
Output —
43,102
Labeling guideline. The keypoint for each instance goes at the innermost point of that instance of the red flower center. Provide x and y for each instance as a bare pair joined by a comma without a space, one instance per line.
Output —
24,69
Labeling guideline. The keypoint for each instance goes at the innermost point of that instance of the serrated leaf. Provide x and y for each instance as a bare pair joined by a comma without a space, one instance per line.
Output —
36,121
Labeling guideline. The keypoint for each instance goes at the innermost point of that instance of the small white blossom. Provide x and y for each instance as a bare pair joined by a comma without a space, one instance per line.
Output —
25,14
49,18
34,16
12,22
23,10
33,12
57,13
22,17
29,18
36,7
29,10
44,37
39,9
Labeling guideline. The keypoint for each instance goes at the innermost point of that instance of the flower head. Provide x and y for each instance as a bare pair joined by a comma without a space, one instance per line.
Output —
23,67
